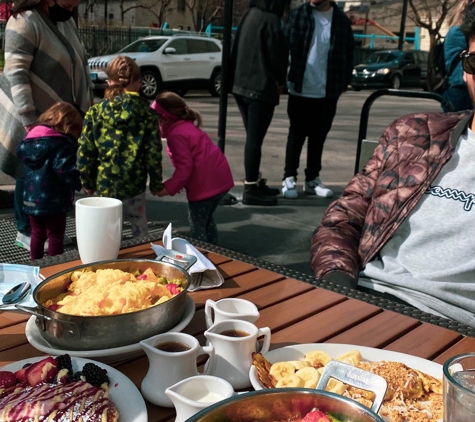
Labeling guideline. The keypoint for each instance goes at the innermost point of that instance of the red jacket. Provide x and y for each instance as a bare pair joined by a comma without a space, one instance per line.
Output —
409,156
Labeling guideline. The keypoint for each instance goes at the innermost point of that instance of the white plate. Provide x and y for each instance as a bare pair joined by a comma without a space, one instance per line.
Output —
123,392
298,351
112,355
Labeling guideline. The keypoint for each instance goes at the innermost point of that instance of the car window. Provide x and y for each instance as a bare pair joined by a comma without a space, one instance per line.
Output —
197,46
381,57
408,58
212,47
179,45
143,46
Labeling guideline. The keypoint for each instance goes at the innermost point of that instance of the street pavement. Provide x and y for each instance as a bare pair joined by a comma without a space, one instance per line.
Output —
279,234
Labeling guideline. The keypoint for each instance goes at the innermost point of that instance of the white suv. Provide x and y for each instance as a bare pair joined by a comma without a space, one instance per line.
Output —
178,63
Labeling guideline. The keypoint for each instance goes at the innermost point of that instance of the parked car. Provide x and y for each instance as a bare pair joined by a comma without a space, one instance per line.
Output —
178,63
391,69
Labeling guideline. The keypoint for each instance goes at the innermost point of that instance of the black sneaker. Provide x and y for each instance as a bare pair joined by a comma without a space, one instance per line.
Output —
266,190
253,195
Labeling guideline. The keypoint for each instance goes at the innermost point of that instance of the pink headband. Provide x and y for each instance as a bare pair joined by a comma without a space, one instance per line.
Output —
162,112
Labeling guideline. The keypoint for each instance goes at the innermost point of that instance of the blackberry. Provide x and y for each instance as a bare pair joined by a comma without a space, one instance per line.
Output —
94,374
64,362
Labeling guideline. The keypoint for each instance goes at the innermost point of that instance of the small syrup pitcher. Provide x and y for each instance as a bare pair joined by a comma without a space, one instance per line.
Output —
230,308
172,358
191,395
234,341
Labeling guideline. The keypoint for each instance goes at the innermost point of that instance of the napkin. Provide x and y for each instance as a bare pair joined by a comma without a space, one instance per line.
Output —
13,274
204,274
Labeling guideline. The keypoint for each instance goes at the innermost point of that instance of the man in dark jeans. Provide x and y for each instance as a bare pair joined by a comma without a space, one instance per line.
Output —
321,53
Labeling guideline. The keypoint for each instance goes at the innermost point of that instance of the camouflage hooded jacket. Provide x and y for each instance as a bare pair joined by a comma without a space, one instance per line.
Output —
119,146
409,155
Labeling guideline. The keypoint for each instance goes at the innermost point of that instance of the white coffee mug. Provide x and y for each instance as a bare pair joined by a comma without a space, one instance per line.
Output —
98,228
230,308
234,341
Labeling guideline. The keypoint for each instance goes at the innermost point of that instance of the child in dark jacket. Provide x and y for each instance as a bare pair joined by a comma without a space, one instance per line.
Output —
49,153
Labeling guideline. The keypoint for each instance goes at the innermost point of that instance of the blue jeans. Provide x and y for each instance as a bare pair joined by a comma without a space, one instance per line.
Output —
22,220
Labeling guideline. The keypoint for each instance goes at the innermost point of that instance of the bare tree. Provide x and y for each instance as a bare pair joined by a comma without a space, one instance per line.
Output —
431,15
203,12
156,7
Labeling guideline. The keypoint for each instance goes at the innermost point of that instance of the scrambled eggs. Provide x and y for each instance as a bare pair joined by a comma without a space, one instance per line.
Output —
111,292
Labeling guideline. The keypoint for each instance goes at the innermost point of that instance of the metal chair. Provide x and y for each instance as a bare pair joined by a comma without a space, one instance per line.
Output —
365,147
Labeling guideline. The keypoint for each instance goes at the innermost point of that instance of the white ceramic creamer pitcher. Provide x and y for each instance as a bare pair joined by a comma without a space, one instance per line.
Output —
172,358
234,341
191,395
230,308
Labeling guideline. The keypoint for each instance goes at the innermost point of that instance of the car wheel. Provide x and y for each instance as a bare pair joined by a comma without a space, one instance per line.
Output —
215,84
396,82
150,84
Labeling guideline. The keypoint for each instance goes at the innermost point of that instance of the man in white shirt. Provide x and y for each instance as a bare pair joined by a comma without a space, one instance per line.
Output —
321,53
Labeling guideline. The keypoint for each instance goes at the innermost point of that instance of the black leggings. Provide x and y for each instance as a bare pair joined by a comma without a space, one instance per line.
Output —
256,116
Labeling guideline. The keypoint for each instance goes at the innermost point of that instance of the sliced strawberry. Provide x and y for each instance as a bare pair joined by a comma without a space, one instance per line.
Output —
43,371
7,379
316,416
20,374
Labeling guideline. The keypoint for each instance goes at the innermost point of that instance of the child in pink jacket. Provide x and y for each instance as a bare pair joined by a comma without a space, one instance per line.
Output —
200,166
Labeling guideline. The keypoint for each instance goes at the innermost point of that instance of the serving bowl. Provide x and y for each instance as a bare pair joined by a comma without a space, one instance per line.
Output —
74,332
284,405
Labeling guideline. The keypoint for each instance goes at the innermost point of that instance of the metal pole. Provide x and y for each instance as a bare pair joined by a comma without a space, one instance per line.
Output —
105,12
228,199
402,29
223,96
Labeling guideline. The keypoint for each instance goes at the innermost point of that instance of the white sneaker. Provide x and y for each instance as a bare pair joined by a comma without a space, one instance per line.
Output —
23,241
316,187
289,188
66,241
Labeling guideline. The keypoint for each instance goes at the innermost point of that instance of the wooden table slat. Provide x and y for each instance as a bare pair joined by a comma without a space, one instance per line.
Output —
326,324
426,341
379,331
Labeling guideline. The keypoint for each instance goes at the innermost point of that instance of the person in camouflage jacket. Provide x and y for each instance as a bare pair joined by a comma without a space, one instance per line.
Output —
120,145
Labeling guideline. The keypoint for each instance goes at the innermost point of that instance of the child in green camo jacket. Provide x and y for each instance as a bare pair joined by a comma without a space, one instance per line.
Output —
120,144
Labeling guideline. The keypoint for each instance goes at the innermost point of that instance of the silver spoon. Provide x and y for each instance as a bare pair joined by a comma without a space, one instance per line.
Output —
16,294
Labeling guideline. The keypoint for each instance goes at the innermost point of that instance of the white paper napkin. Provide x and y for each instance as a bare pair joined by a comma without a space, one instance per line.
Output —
13,274
204,274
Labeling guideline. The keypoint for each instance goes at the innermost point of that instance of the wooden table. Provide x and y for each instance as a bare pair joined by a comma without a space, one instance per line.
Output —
295,311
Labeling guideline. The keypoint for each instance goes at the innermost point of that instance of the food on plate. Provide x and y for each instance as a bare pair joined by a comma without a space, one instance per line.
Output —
316,416
412,396
112,292
49,390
